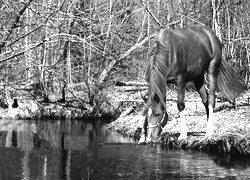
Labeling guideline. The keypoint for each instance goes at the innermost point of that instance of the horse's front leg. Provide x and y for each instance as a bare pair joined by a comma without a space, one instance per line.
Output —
143,132
181,107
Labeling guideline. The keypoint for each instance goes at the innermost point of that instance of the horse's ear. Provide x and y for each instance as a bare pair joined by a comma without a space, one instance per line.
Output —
145,97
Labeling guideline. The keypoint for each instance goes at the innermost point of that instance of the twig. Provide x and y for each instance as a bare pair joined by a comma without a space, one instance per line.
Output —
218,8
44,23
238,39
79,100
192,19
17,19
152,15
22,52
14,25
79,39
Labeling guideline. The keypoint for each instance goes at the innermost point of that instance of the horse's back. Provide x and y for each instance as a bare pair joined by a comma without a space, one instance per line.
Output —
190,36
192,48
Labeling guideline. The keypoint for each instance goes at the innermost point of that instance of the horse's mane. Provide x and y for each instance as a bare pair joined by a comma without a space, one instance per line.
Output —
156,76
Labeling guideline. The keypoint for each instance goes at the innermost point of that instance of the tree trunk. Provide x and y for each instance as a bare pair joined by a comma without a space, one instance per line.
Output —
43,71
216,18
182,13
90,45
28,52
148,30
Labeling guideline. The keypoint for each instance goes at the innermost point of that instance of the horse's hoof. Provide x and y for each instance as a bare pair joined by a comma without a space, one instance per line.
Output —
142,139
142,143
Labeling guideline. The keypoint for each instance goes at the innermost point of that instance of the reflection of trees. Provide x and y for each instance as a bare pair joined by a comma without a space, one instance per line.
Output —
46,148
71,149
20,135
25,165
29,137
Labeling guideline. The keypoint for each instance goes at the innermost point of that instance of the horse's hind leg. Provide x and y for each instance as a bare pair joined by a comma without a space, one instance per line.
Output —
200,87
212,78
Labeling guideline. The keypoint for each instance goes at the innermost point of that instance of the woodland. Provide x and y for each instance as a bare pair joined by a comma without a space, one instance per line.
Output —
75,52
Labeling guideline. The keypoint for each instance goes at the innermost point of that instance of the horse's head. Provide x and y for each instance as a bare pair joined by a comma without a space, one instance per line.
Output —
156,119
156,76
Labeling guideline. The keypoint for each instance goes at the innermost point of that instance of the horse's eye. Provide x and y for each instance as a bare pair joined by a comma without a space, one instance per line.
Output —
157,114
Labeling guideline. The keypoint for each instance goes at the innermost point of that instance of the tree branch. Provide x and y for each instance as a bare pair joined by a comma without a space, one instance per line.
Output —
192,19
14,25
106,71
43,24
17,19
152,15
219,6
22,52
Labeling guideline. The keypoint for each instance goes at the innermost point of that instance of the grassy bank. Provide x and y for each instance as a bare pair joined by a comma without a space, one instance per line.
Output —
232,126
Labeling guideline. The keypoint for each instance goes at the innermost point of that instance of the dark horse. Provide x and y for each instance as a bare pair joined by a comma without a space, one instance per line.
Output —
179,56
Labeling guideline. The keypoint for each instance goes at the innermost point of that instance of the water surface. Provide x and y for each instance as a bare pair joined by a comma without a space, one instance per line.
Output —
78,150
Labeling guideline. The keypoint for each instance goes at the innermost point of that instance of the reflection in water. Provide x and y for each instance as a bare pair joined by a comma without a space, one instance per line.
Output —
78,150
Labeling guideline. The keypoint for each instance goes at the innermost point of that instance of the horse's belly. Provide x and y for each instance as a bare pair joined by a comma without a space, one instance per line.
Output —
190,75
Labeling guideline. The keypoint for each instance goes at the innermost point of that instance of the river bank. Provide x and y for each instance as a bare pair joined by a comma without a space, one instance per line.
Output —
232,126
232,123
107,103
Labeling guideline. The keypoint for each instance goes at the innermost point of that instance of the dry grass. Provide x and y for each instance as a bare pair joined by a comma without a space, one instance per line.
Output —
232,131
232,126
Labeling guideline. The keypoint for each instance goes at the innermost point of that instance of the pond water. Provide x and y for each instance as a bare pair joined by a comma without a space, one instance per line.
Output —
75,150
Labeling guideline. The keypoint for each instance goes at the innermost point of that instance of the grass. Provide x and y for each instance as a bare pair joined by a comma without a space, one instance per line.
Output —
232,127
234,144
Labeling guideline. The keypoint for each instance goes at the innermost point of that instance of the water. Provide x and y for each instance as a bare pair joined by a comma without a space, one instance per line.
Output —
55,150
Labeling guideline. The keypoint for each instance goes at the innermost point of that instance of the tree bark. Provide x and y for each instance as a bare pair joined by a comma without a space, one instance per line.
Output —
216,4
44,65
28,52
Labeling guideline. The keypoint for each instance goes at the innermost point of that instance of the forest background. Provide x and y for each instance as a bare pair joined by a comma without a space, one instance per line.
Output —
82,48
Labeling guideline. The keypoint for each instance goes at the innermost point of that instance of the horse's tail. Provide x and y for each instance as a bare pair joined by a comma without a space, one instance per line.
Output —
229,82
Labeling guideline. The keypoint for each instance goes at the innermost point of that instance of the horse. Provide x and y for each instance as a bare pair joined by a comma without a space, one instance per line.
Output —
180,56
